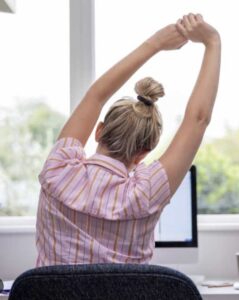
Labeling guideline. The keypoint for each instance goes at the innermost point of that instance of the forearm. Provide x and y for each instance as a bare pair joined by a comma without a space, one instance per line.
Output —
116,76
203,96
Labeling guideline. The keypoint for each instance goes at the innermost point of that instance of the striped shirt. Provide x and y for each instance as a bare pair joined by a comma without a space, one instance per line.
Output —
92,210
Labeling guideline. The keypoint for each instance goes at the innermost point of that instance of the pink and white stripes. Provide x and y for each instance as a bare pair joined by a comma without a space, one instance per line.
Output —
94,211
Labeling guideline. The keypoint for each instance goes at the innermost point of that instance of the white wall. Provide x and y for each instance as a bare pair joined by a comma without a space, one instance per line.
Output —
17,254
216,254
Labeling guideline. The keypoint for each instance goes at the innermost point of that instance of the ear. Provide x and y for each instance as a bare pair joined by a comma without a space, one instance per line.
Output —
98,131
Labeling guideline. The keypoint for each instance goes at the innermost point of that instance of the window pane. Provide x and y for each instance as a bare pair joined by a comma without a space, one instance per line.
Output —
34,76
123,25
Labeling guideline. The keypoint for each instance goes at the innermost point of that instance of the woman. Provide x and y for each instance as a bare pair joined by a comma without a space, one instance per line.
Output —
105,208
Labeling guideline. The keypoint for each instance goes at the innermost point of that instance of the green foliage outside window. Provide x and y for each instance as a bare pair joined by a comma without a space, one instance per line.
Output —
29,130
218,175
217,163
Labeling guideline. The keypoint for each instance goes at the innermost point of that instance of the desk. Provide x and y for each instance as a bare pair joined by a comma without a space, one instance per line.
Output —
219,293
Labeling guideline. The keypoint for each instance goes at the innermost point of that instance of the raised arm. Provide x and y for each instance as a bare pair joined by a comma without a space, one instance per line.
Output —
84,117
181,152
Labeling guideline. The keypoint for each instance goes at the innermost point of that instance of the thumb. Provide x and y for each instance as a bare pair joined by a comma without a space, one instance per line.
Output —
181,29
183,43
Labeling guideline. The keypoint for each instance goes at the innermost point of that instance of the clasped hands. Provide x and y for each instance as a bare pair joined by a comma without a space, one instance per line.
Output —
191,27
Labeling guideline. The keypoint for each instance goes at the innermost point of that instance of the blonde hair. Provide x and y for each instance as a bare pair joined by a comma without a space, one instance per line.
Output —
130,126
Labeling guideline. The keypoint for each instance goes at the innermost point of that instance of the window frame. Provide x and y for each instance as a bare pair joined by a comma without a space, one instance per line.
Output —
82,61
8,6
206,223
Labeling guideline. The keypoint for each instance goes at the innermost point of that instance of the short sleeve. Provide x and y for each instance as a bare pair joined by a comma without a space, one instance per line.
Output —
64,164
152,181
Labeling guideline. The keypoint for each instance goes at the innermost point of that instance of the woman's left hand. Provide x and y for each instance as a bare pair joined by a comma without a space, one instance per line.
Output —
167,38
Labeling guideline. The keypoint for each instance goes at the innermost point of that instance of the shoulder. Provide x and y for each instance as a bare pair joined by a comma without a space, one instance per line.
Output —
151,186
153,171
68,147
65,160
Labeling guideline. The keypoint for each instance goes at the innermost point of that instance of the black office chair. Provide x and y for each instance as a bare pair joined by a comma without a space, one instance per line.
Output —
103,281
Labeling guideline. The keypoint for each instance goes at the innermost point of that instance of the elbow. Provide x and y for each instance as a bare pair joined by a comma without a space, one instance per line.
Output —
203,119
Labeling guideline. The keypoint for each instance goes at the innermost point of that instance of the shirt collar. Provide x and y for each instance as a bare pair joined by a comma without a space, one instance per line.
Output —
109,163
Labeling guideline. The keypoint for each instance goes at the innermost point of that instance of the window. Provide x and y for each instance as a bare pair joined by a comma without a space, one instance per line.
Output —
34,76
35,100
123,25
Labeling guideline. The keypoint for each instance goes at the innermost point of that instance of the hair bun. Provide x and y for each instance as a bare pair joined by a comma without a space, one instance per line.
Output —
149,89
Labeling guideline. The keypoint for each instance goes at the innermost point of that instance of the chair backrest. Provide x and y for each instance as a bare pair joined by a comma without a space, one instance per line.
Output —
103,281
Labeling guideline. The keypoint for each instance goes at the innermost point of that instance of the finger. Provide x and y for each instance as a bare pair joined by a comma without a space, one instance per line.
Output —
183,43
181,38
199,18
186,23
192,19
181,29
180,21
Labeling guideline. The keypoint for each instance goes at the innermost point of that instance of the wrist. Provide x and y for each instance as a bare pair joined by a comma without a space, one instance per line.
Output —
154,44
215,40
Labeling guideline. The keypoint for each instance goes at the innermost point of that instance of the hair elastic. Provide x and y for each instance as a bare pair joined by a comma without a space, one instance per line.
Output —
144,100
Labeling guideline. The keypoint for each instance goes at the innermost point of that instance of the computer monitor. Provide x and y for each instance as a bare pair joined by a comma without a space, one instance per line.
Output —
176,232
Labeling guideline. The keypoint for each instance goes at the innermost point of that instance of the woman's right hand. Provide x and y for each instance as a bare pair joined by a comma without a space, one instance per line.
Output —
194,28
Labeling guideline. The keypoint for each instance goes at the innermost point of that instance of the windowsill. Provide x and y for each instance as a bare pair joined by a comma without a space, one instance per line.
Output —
11,225
218,222
19,225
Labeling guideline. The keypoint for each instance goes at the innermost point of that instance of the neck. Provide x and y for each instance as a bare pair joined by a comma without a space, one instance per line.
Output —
103,150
